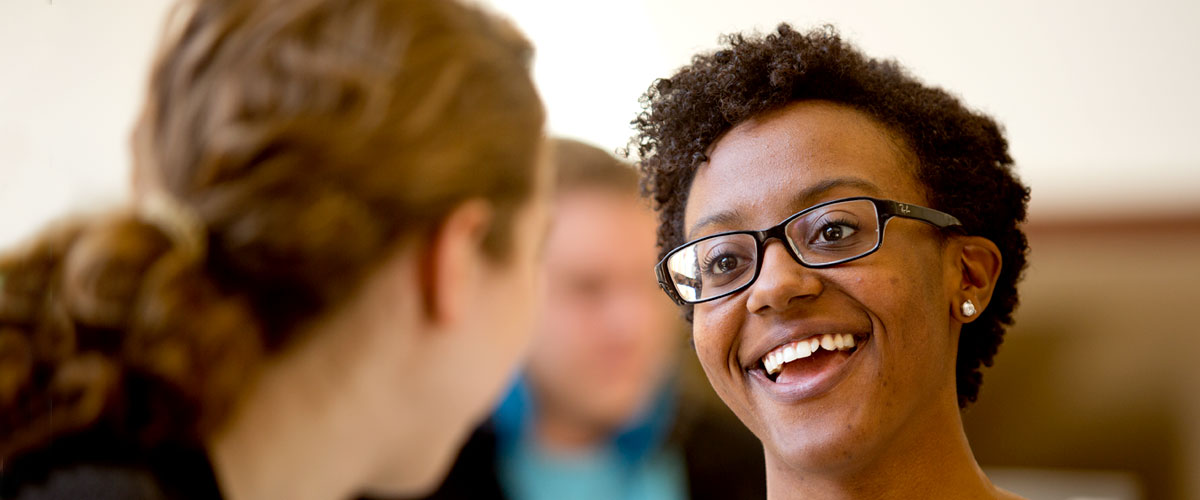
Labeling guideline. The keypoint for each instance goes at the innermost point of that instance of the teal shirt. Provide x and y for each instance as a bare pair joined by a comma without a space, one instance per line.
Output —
635,464
528,473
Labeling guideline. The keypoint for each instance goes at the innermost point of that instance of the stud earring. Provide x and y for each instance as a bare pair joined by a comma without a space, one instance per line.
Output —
968,308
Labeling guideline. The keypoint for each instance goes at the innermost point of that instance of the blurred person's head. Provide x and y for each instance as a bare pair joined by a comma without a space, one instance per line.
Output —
337,198
606,340
770,132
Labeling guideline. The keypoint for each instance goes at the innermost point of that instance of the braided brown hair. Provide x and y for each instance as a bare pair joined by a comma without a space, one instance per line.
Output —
306,140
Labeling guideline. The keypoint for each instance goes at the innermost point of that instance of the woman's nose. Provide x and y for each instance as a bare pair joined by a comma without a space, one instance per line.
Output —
782,281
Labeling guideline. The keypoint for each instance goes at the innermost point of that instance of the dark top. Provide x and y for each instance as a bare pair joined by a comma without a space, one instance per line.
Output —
723,460
104,468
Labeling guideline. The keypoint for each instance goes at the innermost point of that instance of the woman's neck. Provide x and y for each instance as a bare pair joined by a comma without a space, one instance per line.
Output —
345,404
279,442
932,460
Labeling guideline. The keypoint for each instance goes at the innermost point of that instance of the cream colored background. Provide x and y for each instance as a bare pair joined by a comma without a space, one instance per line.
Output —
1099,98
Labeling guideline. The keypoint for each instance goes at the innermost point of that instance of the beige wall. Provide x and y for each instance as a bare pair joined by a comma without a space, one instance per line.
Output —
1102,370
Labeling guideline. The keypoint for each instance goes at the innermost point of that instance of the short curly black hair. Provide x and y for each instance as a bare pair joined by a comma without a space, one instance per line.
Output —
963,160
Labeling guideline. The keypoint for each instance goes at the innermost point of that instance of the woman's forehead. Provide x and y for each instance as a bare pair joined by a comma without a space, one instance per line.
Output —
807,152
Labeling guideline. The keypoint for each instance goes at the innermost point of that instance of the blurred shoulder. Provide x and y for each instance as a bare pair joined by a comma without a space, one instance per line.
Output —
99,468
723,459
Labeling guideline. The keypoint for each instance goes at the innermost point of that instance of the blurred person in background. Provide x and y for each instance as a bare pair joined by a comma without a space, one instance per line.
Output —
776,164
601,410
325,278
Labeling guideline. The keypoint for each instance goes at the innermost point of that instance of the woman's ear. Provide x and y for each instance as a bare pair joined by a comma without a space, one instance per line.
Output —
978,266
452,261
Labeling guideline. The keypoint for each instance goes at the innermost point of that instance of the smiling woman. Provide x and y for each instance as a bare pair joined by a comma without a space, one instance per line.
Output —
849,333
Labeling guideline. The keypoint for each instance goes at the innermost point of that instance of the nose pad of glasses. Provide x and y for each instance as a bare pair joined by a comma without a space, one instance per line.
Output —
776,286
784,246
787,248
780,234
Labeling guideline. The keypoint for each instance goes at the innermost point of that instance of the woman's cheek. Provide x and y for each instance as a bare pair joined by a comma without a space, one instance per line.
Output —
706,348
715,334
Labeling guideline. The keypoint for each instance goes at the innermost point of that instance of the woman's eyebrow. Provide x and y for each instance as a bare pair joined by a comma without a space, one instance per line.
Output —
725,217
812,195
805,198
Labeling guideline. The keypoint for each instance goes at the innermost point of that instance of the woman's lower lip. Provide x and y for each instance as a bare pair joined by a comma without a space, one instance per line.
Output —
809,386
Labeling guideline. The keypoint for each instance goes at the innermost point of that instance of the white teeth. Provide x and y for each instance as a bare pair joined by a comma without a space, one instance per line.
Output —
803,350
773,361
770,362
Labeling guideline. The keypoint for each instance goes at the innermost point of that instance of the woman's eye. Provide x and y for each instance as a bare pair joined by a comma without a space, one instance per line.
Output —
723,264
836,232
725,261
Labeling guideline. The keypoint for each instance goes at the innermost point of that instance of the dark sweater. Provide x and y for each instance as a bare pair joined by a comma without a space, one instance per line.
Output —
101,468
722,459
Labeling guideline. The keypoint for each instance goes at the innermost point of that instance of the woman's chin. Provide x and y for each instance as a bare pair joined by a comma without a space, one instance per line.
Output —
816,451
401,475
409,483
833,429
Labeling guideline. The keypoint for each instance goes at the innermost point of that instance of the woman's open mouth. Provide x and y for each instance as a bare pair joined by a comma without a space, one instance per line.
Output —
806,368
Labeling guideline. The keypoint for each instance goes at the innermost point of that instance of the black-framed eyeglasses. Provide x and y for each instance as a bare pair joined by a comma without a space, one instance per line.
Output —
823,235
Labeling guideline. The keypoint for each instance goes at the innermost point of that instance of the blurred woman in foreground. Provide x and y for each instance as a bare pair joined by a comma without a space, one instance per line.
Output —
324,278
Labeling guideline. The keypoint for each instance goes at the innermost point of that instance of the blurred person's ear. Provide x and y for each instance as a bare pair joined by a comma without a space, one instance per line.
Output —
977,268
452,261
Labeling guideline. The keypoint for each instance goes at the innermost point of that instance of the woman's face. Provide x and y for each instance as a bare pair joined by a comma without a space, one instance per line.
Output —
832,410
506,300
465,365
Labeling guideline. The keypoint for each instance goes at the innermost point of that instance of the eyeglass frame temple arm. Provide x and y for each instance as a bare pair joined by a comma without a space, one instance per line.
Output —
929,215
